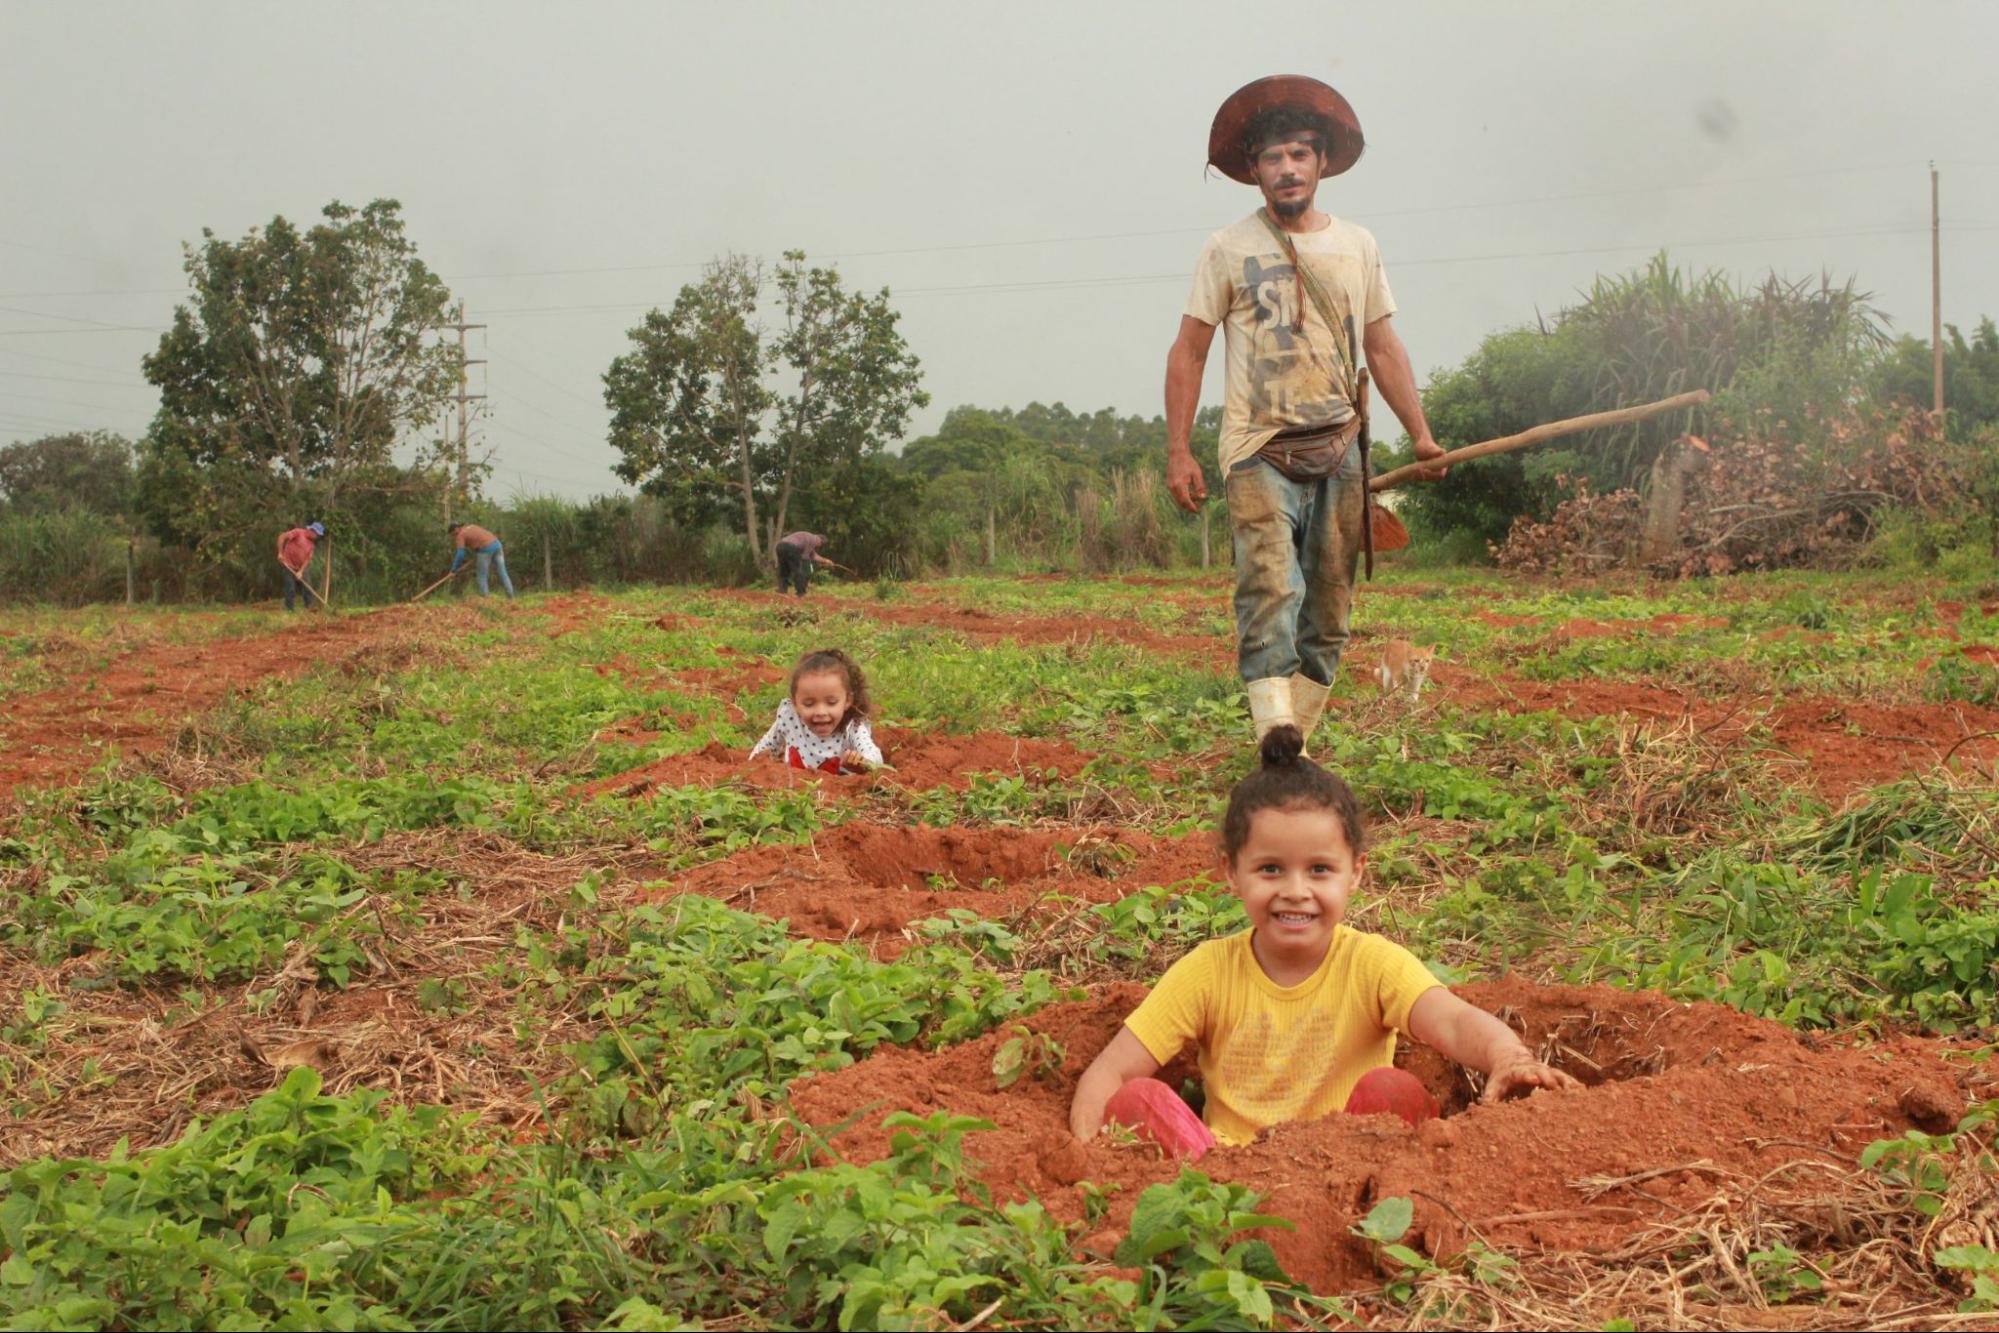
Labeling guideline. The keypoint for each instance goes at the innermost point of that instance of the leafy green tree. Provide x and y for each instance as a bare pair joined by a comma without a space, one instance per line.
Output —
708,402
1633,338
79,469
1970,375
311,351
300,362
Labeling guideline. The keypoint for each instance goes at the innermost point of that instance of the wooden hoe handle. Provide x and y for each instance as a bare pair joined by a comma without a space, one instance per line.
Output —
1622,416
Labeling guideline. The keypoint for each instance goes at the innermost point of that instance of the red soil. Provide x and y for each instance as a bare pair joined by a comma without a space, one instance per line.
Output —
987,626
921,760
140,699
1847,744
1499,620
1664,623
870,881
573,611
1683,1091
996,627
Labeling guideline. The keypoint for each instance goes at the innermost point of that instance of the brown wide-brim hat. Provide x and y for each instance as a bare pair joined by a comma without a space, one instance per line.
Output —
1225,140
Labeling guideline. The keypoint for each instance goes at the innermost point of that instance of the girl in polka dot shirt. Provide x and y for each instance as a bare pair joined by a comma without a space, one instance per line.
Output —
824,724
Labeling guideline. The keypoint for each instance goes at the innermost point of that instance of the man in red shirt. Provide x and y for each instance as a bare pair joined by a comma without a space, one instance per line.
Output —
295,548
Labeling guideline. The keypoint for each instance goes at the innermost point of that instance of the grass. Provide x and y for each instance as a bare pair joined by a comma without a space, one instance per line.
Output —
558,1090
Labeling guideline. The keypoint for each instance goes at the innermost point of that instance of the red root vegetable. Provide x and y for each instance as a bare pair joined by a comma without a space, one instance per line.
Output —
1394,1091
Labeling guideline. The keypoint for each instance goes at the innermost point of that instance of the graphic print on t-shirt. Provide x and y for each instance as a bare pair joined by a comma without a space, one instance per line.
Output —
1287,382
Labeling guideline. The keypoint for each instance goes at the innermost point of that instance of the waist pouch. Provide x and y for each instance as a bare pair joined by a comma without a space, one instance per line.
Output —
1310,453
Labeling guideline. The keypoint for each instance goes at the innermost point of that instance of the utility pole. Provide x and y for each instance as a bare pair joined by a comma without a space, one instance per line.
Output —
1936,302
464,450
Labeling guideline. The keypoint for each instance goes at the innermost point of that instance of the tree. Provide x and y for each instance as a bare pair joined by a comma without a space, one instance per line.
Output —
299,363
81,469
311,351
1796,348
1970,375
708,403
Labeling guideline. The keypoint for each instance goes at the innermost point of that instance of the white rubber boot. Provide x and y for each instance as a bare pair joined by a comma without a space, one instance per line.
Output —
1269,703
1308,703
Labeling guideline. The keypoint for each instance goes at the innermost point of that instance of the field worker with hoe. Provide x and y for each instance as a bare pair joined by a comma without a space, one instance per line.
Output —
796,555
1292,287
490,555
295,548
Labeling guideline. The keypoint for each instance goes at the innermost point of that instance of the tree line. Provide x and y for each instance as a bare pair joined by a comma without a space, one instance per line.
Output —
305,377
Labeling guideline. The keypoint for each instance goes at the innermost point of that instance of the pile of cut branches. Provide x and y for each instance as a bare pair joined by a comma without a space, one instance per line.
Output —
1765,496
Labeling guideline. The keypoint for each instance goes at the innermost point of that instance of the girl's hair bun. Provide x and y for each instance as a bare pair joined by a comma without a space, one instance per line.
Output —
1281,746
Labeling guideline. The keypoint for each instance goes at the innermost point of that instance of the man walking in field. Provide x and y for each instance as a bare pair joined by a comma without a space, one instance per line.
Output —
295,548
489,554
1296,403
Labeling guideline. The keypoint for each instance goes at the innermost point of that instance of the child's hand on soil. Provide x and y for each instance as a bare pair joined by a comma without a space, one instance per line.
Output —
852,759
1522,1073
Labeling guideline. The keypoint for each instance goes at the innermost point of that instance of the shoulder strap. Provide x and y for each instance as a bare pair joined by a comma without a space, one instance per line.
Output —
1322,302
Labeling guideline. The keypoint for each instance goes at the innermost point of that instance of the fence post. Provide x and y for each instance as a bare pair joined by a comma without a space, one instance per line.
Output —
1204,537
131,576
547,569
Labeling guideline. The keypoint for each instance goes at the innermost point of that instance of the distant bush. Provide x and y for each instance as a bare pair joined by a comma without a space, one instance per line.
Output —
67,556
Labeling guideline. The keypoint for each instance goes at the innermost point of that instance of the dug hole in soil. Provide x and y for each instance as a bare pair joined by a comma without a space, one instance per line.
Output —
921,761
873,881
1684,1091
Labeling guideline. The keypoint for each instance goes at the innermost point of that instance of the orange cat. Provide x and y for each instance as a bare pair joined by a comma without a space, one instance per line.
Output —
1404,666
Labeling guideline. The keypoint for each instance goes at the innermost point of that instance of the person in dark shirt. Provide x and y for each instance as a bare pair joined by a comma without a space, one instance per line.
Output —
796,555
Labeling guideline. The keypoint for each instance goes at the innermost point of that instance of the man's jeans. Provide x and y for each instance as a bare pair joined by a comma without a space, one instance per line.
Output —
488,558
295,585
1297,545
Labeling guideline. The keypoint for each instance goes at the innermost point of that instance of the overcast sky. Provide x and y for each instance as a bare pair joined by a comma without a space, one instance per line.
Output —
1027,178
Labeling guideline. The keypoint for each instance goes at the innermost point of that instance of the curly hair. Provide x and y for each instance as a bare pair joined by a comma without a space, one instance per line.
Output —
1280,124
849,671
1286,780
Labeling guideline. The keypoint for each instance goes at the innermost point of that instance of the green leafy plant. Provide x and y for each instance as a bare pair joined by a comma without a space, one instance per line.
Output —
1026,1054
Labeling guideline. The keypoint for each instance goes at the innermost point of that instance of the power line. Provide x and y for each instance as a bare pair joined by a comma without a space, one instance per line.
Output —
70,319
65,402
962,247
108,328
72,379
60,360
533,374
1064,284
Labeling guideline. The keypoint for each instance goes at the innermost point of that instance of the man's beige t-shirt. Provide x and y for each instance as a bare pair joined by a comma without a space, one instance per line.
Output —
1276,379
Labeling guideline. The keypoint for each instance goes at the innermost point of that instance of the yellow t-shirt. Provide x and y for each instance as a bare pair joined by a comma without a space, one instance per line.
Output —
1276,379
1272,1053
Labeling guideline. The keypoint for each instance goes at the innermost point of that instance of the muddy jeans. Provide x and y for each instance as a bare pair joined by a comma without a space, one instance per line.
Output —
1297,545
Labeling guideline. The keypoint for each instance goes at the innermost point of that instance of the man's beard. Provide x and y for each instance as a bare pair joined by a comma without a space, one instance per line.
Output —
1293,209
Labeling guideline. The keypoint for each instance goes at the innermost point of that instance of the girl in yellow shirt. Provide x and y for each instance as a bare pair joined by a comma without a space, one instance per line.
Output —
1296,1017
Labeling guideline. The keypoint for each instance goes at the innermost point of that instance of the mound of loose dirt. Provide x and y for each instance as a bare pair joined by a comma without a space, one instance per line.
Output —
870,881
1678,1094
921,761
